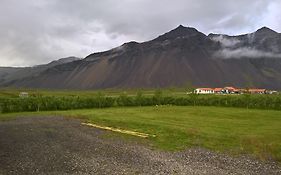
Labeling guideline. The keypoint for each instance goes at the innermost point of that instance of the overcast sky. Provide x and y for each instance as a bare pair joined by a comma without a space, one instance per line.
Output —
39,31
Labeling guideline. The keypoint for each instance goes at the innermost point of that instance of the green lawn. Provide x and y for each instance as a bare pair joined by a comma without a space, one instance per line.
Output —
231,130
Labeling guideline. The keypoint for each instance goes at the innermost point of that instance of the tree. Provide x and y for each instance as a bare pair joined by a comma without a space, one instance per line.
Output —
139,98
100,98
158,97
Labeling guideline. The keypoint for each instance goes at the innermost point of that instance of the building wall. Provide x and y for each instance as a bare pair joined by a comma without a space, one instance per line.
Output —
200,91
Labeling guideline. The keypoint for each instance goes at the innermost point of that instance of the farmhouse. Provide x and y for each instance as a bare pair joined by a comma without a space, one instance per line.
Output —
257,91
204,91
218,90
226,90
231,90
23,94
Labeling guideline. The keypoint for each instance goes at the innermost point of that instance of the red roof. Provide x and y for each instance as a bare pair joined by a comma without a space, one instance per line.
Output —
230,88
217,89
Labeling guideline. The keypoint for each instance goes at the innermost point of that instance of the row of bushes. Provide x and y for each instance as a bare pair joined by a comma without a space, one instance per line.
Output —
53,103
242,101
100,101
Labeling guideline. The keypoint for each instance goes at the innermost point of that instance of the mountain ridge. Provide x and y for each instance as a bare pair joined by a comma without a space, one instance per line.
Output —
183,55
9,74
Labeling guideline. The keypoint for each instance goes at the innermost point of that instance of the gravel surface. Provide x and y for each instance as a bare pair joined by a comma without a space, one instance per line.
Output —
57,145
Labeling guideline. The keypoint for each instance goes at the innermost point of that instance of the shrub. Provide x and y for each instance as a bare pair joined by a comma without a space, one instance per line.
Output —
39,103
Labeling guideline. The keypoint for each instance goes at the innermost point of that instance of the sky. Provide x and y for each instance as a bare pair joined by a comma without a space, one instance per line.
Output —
35,32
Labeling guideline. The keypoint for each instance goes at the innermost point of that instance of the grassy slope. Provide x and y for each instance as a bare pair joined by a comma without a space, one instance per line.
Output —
234,130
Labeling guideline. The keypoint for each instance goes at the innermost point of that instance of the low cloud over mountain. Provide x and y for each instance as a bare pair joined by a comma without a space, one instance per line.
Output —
244,53
38,31
181,56
264,43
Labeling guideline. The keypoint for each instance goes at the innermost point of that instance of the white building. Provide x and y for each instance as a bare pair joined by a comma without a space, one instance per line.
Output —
204,91
23,94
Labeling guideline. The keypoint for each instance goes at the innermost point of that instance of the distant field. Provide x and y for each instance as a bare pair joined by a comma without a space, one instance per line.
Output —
172,91
14,93
231,130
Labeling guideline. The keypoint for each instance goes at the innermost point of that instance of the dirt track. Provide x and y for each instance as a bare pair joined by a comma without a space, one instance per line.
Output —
56,145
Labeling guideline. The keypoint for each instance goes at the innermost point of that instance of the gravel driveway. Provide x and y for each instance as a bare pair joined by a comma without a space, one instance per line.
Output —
57,145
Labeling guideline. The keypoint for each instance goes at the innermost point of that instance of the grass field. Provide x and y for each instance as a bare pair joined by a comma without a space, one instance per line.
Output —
14,93
231,130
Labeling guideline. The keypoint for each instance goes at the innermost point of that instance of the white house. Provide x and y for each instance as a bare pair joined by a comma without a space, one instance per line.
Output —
204,91
23,94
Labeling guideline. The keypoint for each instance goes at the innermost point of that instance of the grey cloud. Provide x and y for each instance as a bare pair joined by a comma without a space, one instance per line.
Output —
38,31
231,48
244,52
226,42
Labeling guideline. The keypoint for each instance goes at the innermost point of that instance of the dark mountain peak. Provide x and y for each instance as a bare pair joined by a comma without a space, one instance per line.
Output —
126,47
181,27
191,55
59,62
180,31
62,61
265,31
213,35
68,59
130,44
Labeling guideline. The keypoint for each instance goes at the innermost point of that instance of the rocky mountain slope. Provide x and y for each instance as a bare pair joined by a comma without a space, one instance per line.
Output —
13,74
179,57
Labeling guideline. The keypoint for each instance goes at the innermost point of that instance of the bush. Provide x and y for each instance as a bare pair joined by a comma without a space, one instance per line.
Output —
158,97
124,100
39,103
53,103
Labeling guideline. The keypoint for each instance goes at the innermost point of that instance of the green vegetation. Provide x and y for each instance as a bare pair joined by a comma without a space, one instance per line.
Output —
40,102
178,119
230,130
53,103
14,93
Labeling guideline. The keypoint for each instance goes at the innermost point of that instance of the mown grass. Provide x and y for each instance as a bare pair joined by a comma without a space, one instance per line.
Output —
231,130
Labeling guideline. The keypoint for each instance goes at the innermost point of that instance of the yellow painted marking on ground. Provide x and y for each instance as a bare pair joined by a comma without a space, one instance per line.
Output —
139,134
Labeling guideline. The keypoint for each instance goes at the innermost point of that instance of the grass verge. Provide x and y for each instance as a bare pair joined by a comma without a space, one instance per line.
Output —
231,130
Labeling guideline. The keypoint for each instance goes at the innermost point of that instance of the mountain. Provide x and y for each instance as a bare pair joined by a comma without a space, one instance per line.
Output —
14,74
265,41
176,58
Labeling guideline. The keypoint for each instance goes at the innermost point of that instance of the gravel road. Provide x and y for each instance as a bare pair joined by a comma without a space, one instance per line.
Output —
57,145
